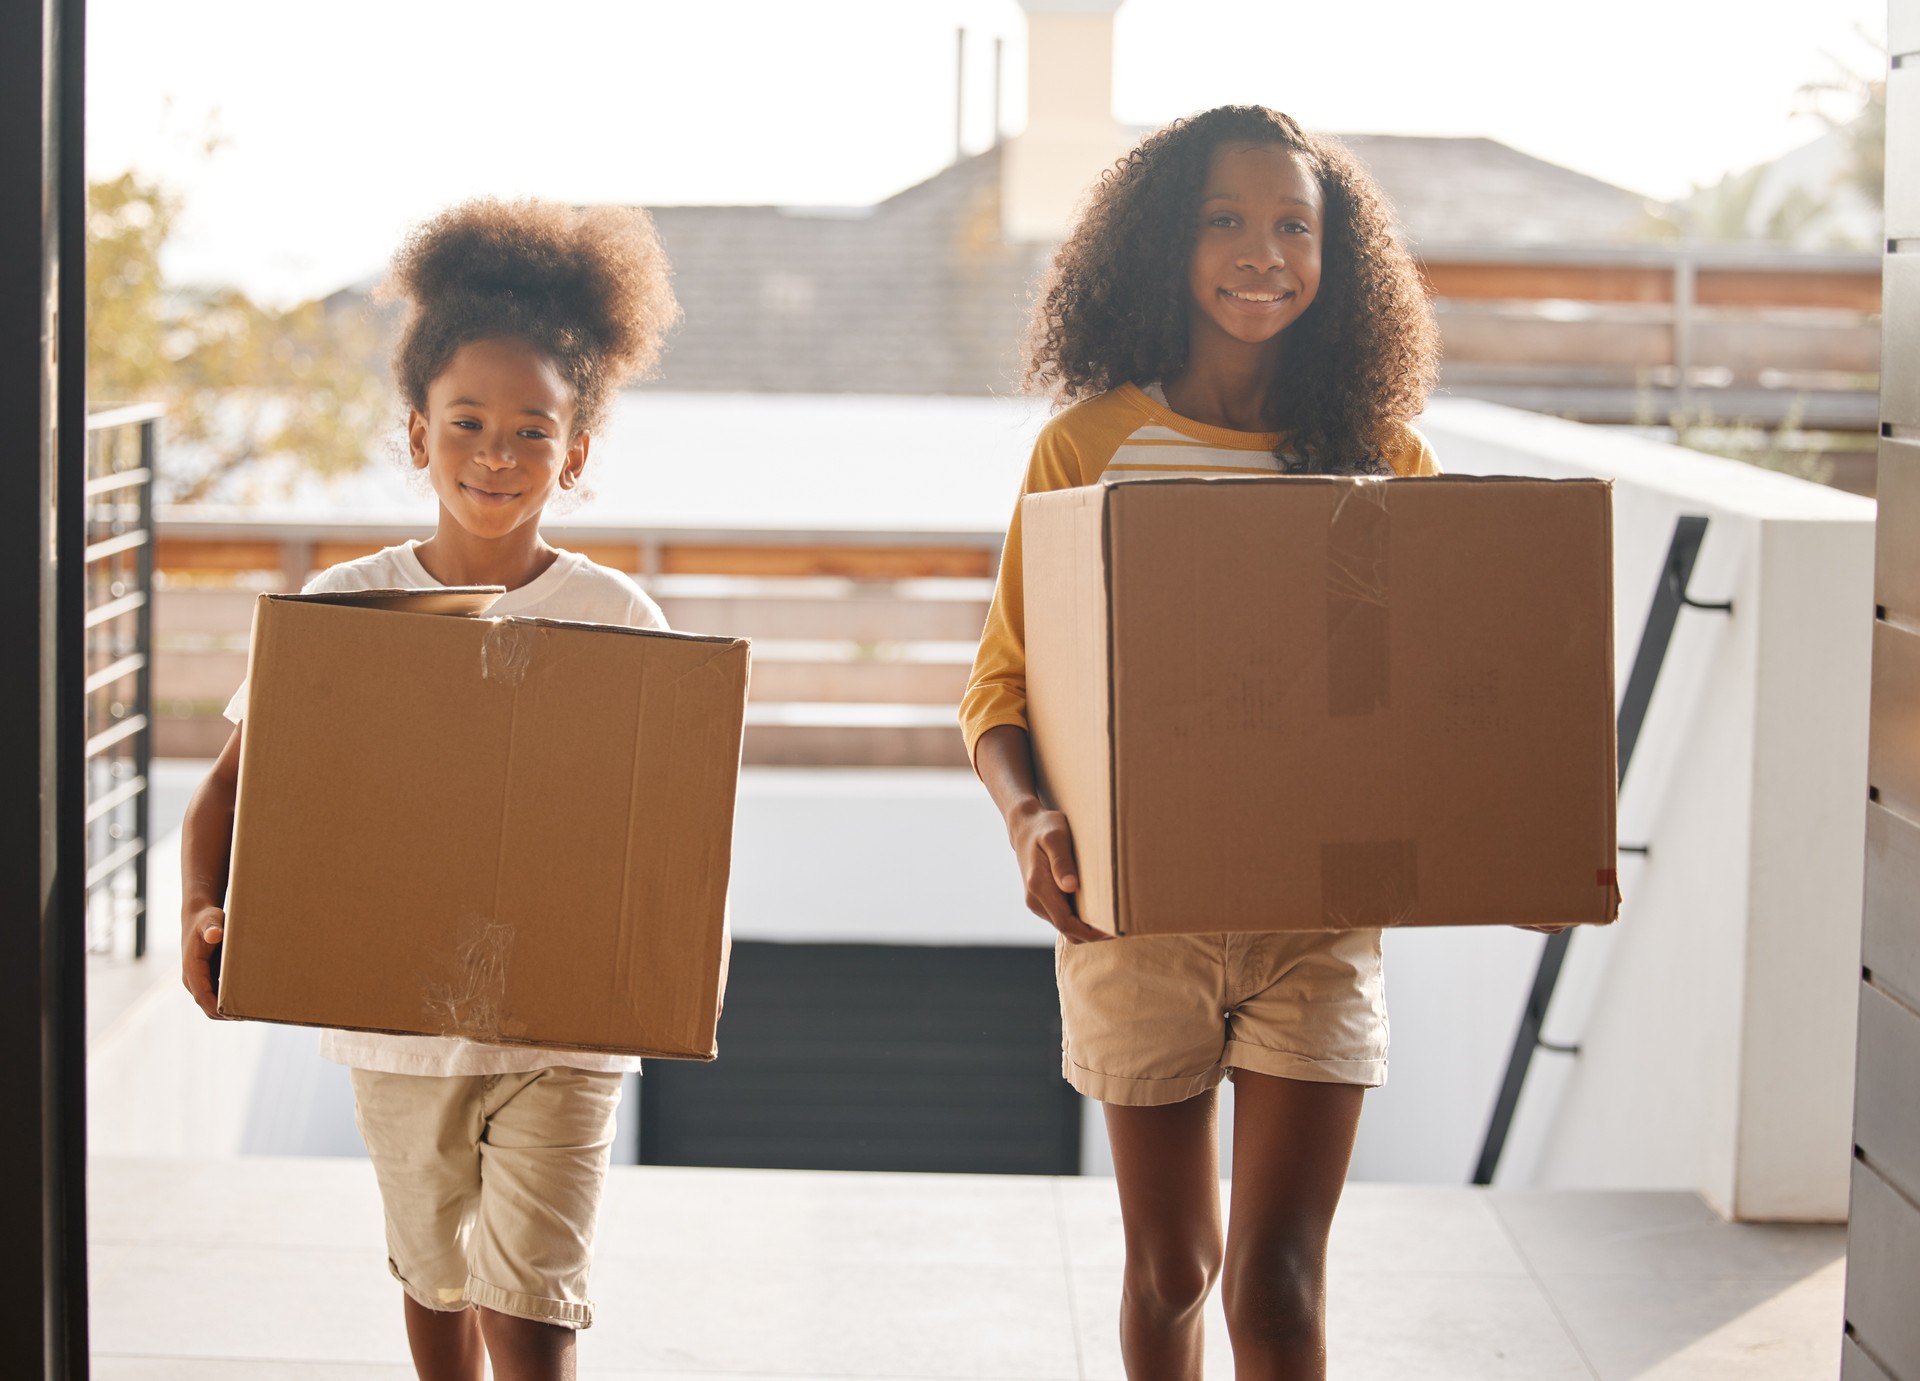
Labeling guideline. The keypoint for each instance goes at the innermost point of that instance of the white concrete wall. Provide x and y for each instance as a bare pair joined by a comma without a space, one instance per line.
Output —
1716,1018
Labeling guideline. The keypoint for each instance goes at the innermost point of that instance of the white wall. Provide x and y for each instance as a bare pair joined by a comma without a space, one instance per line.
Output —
1716,1017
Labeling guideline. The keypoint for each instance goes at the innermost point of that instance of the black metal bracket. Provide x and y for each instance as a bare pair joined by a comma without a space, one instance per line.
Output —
1669,598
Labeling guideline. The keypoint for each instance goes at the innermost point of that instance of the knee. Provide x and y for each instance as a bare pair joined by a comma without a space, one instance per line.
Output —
1170,1286
1278,1293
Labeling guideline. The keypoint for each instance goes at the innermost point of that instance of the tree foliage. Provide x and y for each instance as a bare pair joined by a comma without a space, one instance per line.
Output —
242,384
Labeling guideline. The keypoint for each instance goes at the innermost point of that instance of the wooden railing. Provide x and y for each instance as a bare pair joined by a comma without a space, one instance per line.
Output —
1646,333
862,640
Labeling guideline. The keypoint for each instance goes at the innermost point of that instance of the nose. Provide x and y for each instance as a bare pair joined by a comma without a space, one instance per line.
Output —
1262,251
495,452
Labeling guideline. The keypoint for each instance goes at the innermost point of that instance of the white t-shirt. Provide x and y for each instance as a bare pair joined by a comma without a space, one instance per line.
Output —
571,588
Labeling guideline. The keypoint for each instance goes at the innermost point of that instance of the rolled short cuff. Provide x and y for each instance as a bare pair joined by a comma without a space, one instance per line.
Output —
1284,1064
1139,1093
444,1300
563,1313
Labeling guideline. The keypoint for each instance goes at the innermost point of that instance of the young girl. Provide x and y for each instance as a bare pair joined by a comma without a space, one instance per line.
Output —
525,317
1232,302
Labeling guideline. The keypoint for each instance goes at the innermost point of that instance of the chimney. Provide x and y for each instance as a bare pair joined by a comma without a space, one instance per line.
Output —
1071,136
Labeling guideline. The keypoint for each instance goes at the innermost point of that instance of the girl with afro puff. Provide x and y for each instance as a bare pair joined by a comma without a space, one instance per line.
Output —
524,318
1233,301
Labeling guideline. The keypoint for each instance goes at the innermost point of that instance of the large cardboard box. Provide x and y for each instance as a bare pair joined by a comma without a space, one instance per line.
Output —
513,830
1326,703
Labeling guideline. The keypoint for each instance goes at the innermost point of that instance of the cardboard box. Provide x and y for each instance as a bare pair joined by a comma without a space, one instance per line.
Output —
1326,703
513,830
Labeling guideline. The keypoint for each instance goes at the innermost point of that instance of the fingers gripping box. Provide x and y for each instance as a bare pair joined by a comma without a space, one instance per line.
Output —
1302,703
513,830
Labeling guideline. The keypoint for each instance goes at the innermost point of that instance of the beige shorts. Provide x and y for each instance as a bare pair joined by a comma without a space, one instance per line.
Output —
491,1184
1159,1018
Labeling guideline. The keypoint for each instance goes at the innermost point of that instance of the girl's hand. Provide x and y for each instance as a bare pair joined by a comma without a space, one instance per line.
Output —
200,931
1544,929
1044,845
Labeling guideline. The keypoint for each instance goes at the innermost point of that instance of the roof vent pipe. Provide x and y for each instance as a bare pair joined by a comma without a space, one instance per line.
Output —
960,94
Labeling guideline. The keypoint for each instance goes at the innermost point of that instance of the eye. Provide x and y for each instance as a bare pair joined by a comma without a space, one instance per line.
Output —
1296,227
466,424
1222,220
533,434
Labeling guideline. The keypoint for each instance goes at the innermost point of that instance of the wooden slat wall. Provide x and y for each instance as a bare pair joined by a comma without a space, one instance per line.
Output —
861,647
1883,1237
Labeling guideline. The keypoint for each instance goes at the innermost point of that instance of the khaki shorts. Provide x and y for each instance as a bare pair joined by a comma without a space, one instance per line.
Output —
1156,1019
491,1184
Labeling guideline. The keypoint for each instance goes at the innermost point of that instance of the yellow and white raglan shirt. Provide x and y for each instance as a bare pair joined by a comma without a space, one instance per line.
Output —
1126,433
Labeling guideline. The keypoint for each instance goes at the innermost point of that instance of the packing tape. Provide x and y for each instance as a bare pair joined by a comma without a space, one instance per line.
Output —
1369,884
506,651
1359,681
472,1000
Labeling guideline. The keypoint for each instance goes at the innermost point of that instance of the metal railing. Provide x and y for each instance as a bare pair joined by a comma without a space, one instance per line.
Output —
1669,598
117,635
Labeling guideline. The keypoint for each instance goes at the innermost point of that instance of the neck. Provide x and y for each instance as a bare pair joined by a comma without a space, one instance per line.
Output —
1226,384
454,556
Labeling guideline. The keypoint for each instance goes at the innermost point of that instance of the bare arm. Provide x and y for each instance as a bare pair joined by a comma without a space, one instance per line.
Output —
1040,837
206,851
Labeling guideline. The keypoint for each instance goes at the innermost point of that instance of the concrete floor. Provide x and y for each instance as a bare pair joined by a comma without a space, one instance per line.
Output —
273,1270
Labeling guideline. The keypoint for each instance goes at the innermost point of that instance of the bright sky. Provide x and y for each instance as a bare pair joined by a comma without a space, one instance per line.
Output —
339,124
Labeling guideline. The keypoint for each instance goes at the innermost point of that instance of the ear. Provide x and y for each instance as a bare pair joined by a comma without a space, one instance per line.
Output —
576,460
417,438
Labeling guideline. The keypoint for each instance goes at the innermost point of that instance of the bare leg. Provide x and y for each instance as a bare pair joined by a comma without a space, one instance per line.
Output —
1166,1165
445,1343
527,1350
1291,1143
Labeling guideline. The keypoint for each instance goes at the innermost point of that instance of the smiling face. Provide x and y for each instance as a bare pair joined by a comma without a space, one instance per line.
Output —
496,439
1256,256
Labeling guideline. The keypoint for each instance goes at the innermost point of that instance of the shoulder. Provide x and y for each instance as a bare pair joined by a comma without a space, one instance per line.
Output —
1408,452
592,593
383,570
1082,437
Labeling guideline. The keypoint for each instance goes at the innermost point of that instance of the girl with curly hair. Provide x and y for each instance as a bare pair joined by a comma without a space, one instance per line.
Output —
1233,301
524,318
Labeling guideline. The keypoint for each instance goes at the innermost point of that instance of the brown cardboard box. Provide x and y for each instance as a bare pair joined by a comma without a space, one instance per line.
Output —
513,830
1323,703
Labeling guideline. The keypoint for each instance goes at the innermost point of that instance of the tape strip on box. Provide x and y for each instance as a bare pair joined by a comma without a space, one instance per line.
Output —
506,651
1359,676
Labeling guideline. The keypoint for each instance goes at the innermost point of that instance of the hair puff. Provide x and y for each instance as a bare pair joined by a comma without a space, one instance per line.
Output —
586,286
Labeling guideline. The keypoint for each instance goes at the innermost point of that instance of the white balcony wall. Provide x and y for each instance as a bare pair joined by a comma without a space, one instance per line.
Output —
1716,1019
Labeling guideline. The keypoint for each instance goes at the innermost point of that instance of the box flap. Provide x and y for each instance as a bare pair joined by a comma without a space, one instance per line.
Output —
447,599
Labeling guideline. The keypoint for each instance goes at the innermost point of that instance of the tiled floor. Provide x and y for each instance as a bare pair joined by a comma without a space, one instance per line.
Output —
271,1270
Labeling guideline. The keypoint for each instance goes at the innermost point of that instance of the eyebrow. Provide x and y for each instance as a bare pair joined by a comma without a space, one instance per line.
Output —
524,412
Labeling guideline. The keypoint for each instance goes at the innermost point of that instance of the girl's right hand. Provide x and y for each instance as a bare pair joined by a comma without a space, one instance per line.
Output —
200,932
1044,845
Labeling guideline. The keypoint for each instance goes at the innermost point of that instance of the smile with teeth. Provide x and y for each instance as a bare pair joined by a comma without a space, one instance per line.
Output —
1256,296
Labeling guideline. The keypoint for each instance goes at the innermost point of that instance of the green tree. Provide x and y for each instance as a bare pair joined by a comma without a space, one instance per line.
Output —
241,383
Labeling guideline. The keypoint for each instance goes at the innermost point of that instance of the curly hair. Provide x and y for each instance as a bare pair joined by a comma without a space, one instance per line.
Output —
586,287
1114,307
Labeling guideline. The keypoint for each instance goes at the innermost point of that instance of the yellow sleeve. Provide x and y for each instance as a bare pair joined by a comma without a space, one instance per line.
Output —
997,690
1412,455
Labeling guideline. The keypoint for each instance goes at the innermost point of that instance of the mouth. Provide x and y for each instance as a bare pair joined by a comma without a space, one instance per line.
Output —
489,496
1258,297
